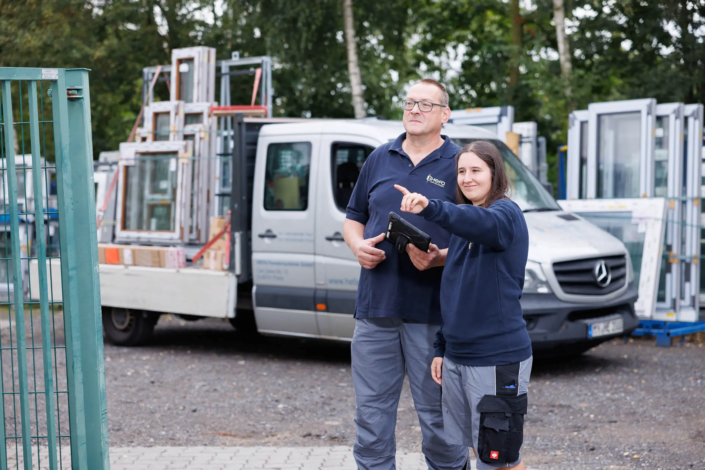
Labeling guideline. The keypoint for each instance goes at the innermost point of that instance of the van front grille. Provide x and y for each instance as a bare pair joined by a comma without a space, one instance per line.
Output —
580,277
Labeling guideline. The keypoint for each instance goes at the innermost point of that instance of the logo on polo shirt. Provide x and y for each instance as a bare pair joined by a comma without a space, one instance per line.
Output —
436,181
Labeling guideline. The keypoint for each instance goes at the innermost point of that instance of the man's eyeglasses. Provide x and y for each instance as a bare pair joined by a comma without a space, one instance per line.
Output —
424,106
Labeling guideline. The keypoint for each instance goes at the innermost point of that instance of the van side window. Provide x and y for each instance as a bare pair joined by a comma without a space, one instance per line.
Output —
287,176
346,163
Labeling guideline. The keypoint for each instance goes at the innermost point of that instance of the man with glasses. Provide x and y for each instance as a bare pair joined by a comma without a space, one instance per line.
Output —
398,304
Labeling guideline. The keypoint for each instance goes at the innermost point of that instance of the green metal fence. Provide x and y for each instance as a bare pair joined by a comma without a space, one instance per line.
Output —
52,384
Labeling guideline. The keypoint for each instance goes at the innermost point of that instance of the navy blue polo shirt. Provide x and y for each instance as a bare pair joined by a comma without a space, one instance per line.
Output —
395,288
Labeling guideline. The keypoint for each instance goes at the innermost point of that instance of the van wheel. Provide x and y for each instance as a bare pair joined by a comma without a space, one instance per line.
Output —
244,322
127,327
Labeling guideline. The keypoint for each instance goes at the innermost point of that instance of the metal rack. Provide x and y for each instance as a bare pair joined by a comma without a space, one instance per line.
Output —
641,149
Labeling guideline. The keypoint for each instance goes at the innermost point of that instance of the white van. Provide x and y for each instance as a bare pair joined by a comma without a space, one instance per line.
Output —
292,273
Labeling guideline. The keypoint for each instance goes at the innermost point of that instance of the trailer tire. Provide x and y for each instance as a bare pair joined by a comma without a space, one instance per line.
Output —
244,322
127,327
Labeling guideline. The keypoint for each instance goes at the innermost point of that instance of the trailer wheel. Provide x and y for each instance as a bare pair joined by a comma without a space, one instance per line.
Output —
127,327
244,322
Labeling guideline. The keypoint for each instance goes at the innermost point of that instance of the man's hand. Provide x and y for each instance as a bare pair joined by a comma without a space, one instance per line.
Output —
437,370
426,260
412,202
367,255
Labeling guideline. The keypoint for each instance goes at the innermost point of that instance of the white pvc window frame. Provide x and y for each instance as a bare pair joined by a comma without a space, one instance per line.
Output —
142,135
672,238
176,119
205,165
690,301
573,164
204,109
203,182
191,184
647,110
502,116
128,153
649,215
203,76
528,144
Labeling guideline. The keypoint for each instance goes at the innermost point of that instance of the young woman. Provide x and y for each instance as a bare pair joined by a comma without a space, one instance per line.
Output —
483,351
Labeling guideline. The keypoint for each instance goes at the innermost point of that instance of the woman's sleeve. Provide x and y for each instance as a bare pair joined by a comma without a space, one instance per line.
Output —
493,227
440,343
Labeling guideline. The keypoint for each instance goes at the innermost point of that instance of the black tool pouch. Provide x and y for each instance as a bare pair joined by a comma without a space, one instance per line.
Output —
502,419
501,428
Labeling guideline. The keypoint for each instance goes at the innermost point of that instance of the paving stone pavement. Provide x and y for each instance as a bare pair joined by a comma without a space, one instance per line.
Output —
224,458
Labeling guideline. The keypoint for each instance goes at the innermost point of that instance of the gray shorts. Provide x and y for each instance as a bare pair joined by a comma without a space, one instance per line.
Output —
484,408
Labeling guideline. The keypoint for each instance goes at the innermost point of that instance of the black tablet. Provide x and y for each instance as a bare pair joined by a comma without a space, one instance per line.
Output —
401,232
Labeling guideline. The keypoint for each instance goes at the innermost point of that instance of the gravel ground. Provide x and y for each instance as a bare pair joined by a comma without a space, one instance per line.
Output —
199,383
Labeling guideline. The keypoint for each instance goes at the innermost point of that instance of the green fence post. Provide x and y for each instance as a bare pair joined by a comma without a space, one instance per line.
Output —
69,283
7,125
42,272
18,292
85,235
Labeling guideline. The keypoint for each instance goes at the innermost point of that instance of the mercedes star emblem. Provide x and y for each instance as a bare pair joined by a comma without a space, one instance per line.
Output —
602,274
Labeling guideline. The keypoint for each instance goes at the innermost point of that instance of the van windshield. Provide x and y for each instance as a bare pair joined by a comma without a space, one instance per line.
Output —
525,189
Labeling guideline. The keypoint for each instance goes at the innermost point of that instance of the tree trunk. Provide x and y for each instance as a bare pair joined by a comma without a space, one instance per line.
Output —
353,67
563,47
517,21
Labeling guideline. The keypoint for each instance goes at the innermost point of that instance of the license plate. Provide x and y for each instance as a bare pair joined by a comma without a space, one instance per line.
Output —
605,328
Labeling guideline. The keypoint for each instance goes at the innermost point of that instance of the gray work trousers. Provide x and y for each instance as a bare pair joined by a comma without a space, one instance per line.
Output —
383,350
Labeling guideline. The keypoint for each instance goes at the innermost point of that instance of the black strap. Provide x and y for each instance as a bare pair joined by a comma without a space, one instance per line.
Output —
402,241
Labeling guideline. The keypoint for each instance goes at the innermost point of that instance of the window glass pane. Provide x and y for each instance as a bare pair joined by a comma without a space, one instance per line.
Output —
618,157
161,126
224,205
702,264
661,156
223,193
194,185
186,71
159,216
150,193
662,278
661,188
5,252
287,175
583,159
622,226
225,173
193,118
347,163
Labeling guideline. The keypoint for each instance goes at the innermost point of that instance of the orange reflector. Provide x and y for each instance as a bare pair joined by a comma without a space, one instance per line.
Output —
320,306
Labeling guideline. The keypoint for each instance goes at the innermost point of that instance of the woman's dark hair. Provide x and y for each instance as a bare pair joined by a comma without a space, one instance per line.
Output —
489,154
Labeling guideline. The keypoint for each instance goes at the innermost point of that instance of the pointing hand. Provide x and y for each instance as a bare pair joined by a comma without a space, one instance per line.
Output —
412,202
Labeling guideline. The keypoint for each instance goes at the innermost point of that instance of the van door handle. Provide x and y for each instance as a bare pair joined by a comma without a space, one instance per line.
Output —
336,237
267,234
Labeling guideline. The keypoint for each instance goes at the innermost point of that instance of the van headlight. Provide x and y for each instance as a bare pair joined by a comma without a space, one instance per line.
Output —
630,269
534,280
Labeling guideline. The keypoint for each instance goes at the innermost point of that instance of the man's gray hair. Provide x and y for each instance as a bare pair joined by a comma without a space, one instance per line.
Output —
444,94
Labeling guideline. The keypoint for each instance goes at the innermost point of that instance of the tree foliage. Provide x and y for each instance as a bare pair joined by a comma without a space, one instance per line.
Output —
620,50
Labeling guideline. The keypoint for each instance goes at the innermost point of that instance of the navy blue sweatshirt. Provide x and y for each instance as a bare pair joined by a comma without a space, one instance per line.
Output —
483,278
